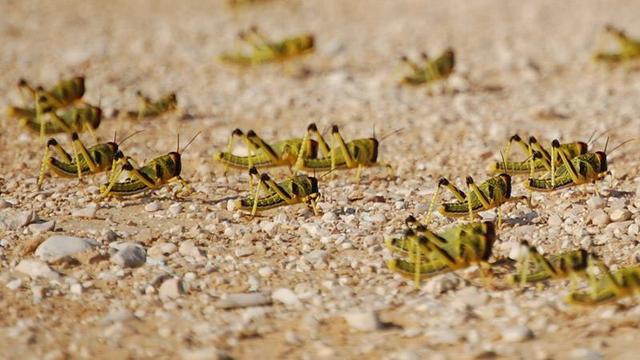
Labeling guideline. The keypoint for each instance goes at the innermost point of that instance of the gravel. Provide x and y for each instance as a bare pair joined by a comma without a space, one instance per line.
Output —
59,246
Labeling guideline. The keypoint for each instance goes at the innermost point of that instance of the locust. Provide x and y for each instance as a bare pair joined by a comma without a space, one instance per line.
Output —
586,168
265,50
629,48
155,174
608,287
149,108
539,159
72,119
264,155
429,70
64,93
428,254
534,267
269,194
355,154
492,193
83,161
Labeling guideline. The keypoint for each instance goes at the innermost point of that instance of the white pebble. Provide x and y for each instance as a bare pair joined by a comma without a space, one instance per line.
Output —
175,209
152,206
516,334
37,269
59,246
171,289
585,354
285,296
554,220
596,202
231,205
265,271
38,228
620,215
240,300
599,218
363,320
189,248
14,284
76,289
88,212
244,251
129,255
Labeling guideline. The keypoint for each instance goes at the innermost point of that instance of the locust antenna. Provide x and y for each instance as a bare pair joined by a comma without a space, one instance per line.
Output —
191,141
129,137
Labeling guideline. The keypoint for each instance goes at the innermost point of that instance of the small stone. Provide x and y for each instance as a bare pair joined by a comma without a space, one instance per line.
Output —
14,284
129,255
37,269
585,354
76,289
363,320
375,218
171,289
516,334
162,249
441,284
22,219
204,353
244,251
4,204
596,202
59,246
265,271
88,212
316,256
109,236
240,300
633,230
175,209
518,250
600,218
554,220
189,248
152,206
620,215
38,228
231,205
285,296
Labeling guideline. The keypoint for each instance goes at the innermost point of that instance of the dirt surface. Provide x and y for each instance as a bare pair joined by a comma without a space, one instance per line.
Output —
523,67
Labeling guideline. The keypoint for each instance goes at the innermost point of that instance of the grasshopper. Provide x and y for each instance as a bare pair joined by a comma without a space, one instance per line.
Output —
492,193
533,267
629,48
430,70
70,120
358,154
96,159
582,169
608,287
149,108
156,173
265,50
538,159
295,190
64,93
262,154
429,254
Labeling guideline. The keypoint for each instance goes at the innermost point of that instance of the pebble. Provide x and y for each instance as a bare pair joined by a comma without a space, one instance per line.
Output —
441,284
620,215
152,206
363,320
14,284
516,334
633,230
204,353
375,218
59,246
285,296
171,289
231,205
596,202
37,269
244,251
189,248
600,218
76,289
4,204
38,228
175,209
241,300
554,220
585,354
88,212
517,251
265,271
22,219
316,256
162,249
129,255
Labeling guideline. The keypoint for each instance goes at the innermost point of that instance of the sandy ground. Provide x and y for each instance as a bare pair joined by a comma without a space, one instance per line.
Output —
524,67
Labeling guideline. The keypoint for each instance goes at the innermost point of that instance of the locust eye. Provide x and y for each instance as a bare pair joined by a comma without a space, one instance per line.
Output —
443,182
515,137
555,143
